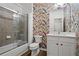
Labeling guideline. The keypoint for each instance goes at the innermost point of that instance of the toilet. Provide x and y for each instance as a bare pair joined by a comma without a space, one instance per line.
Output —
34,47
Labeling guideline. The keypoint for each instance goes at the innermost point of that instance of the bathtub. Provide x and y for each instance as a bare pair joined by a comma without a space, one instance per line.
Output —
12,50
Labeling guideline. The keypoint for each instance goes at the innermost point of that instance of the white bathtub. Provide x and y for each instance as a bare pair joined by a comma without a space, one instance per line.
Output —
8,47
13,50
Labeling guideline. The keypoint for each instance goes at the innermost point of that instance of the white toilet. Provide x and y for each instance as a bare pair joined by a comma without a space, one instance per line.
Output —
34,47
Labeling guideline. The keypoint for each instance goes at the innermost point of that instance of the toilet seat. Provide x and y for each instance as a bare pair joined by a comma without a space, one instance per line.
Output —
34,46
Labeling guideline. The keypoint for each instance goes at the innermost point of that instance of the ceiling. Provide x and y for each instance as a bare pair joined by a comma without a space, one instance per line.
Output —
22,8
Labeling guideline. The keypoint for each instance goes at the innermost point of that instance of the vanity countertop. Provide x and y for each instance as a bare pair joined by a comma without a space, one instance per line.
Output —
63,34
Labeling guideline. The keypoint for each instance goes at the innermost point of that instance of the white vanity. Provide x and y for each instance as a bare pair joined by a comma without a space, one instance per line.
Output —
61,44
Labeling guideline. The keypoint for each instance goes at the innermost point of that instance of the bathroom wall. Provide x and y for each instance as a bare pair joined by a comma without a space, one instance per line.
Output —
72,17
30,28
41,20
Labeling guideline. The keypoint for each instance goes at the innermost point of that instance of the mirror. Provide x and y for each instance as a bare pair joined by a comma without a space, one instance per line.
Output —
58,24
64,18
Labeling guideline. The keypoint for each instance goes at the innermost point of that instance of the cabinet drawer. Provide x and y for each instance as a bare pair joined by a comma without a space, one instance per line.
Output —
51,38
67,39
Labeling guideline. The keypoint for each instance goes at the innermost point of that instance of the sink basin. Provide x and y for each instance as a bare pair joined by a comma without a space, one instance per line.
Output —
63,34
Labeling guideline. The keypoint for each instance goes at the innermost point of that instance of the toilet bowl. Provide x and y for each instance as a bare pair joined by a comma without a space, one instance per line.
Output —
34,47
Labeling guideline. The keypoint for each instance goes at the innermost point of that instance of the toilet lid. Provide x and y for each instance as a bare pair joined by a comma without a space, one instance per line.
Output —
34,45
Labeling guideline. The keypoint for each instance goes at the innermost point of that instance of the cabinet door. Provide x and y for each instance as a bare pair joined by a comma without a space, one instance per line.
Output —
67,49
52,46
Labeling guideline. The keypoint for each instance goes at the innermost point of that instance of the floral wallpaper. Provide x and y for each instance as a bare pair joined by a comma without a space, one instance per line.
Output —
41,20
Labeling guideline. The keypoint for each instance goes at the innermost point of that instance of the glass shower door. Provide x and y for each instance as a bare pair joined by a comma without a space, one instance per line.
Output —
13,30
20,29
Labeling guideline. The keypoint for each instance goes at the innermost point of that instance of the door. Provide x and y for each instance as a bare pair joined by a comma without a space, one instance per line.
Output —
67,49
52,46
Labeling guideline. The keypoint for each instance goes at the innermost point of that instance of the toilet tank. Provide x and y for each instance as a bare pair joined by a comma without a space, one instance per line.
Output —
38,38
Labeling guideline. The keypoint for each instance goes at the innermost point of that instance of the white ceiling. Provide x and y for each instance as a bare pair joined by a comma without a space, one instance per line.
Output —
22,8
27,7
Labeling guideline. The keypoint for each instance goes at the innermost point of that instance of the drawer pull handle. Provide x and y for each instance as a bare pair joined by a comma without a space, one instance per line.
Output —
56,43
61,44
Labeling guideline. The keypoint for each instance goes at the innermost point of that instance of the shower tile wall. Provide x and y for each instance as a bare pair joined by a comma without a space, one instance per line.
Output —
5,30
41,20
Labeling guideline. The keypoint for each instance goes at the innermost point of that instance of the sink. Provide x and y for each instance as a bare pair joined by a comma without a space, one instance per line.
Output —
63,34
